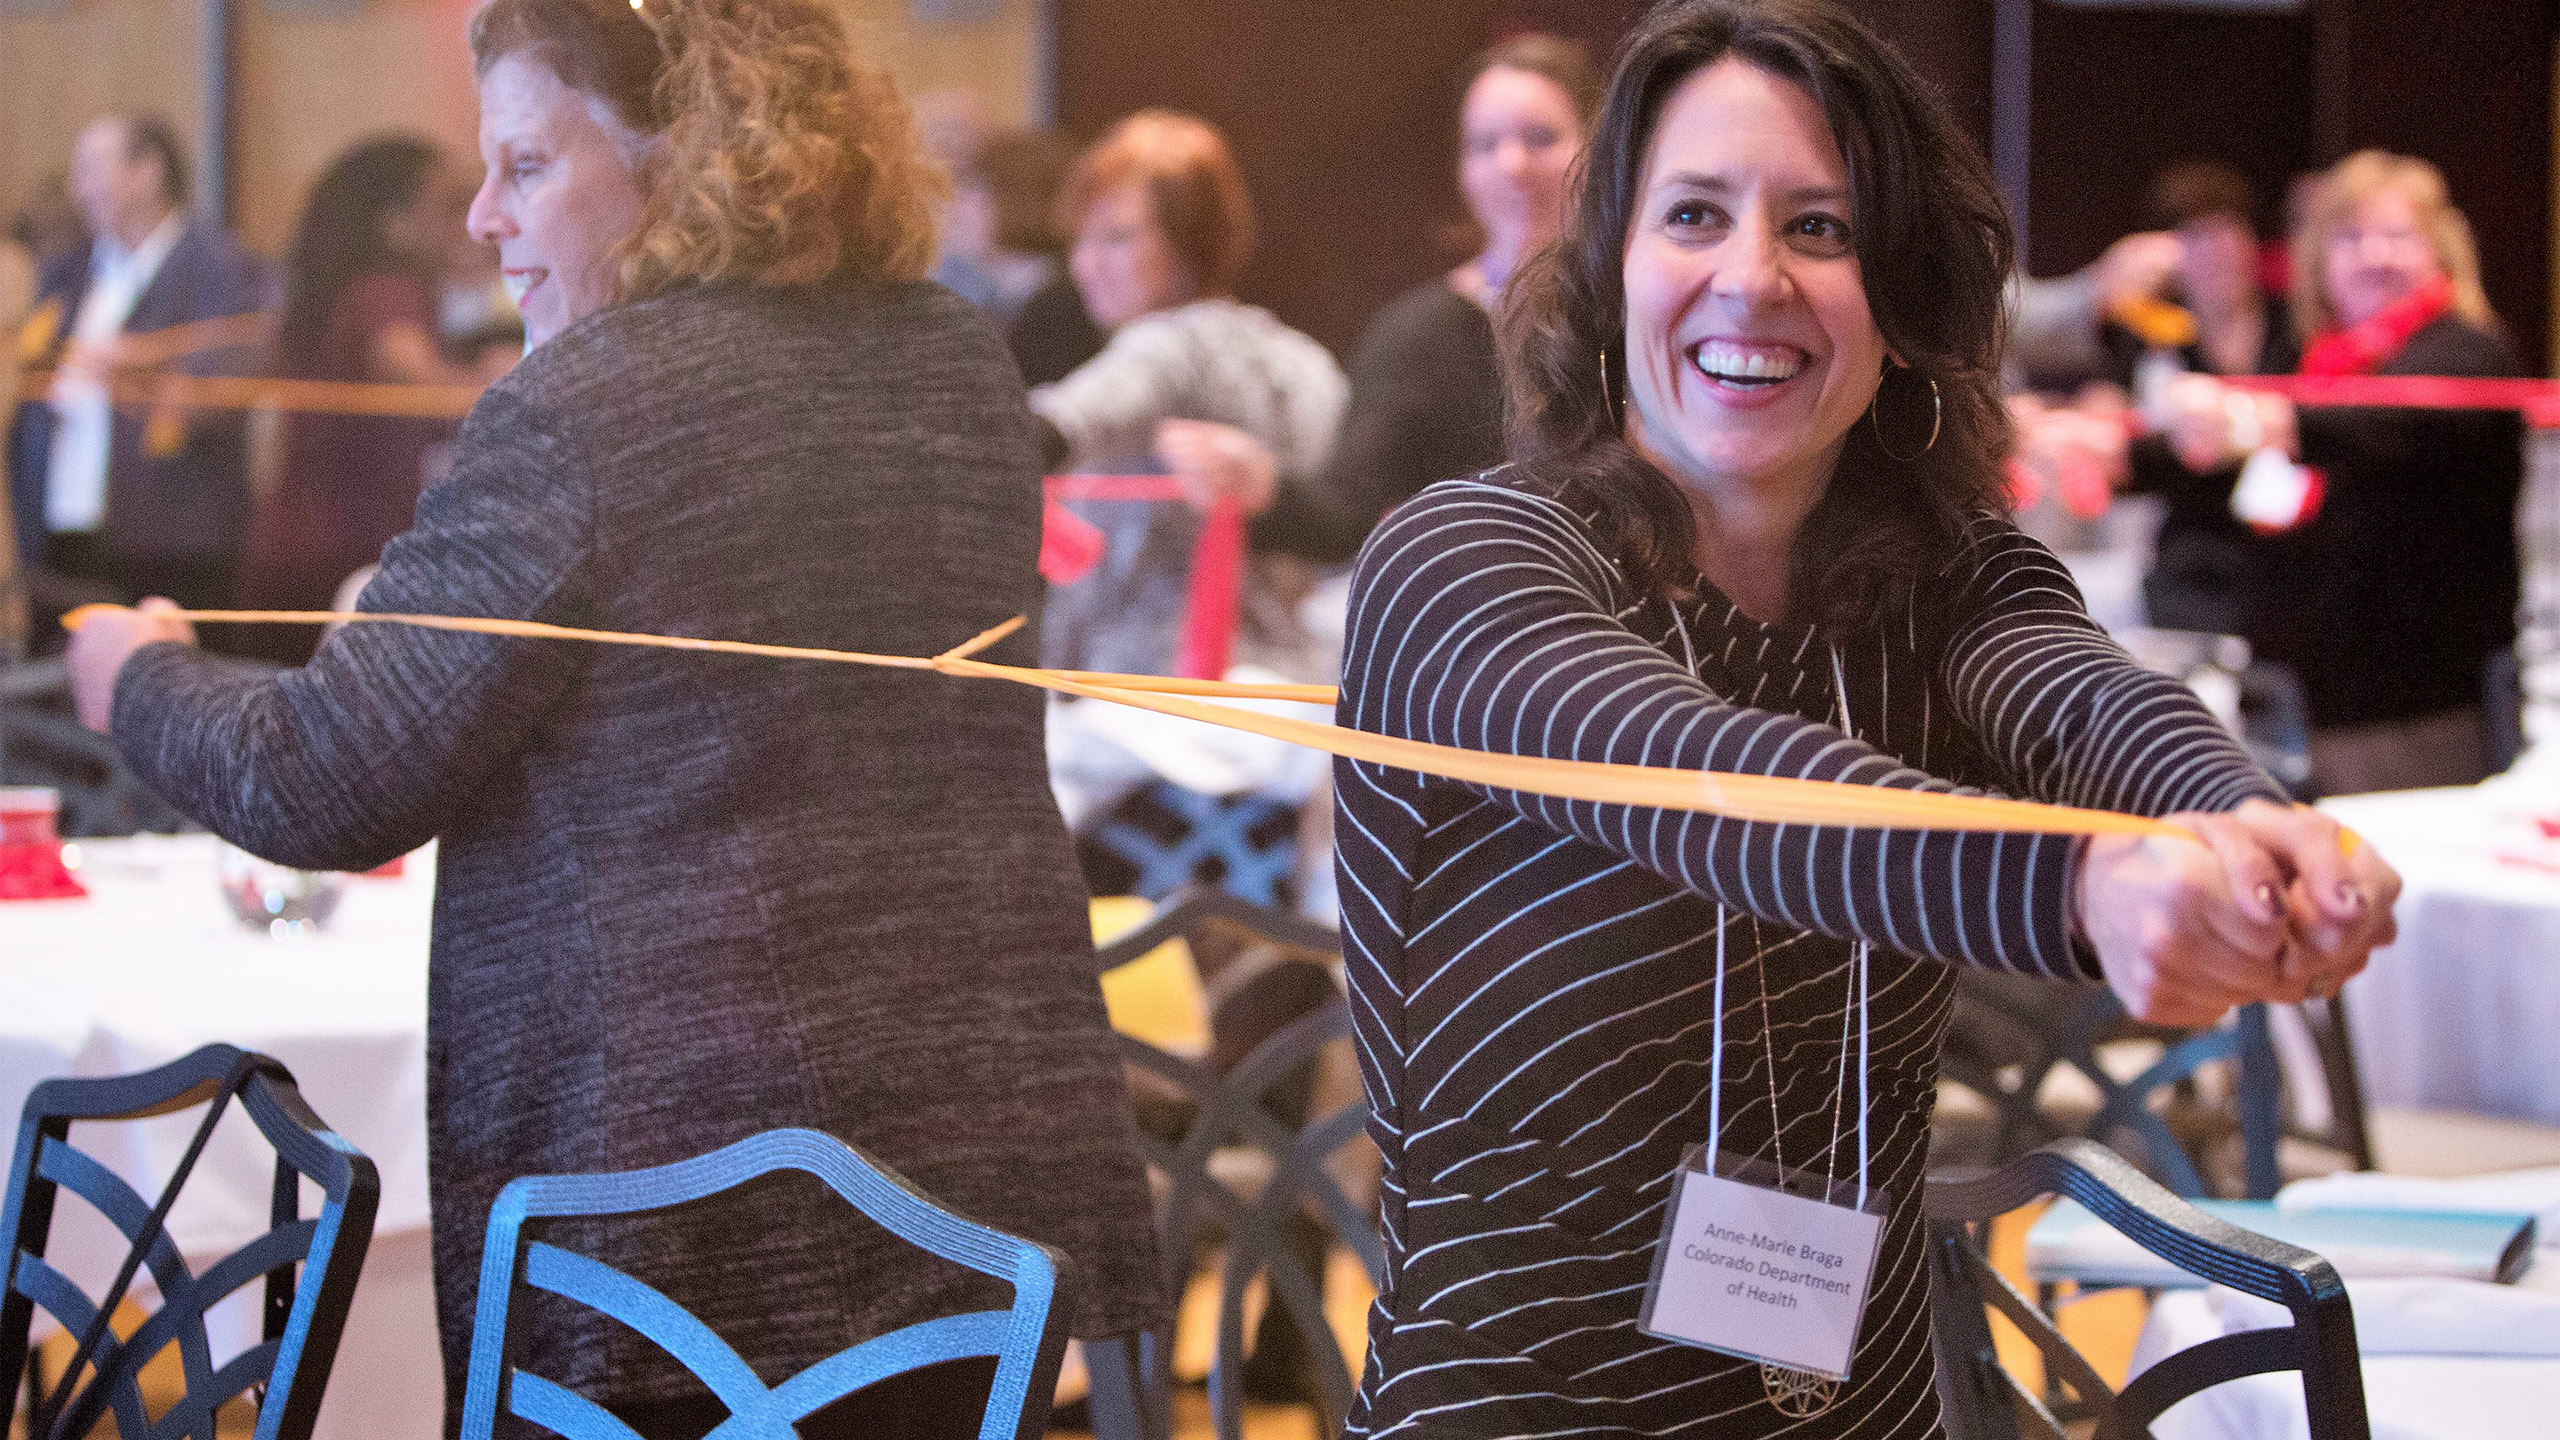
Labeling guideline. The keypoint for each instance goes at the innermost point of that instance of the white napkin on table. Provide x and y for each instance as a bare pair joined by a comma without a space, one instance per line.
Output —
2514,1192
2422,1317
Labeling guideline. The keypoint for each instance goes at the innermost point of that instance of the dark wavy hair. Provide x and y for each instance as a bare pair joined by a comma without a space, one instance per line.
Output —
1934,250
340,239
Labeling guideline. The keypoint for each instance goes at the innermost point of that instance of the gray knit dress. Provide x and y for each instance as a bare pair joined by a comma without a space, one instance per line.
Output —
685,898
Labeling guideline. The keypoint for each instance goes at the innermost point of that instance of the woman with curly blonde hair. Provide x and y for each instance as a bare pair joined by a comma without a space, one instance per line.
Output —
2391,583
681,899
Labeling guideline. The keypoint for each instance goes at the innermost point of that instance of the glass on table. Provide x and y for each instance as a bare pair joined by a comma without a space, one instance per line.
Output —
278,899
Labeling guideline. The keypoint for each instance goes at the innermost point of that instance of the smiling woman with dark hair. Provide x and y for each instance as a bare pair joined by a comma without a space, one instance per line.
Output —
1753,524
682,902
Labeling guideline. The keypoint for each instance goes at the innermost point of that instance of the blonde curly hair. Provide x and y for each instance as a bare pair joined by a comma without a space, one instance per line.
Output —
778,155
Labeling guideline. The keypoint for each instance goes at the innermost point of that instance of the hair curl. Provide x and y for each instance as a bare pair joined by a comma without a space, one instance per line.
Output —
1934,250
2332,201
777,155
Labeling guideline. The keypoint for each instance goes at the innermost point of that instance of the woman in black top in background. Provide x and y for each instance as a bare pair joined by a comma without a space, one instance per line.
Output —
1754,527
1426,388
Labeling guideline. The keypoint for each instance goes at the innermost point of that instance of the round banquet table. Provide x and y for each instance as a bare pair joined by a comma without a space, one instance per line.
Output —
2463,1012
153,965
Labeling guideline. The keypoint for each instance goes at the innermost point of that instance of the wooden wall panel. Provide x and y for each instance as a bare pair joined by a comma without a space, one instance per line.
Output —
2118,96
1345,115
2468,86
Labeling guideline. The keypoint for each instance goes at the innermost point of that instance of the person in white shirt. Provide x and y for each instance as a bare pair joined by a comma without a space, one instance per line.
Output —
112,501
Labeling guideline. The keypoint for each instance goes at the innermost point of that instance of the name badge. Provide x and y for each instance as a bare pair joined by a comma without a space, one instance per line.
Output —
1749,1267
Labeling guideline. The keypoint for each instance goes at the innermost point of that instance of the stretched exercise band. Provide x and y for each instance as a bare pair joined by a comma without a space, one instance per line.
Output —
1766,798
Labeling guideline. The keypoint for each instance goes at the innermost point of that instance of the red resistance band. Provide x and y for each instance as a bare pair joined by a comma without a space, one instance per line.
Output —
1070,546
2538,400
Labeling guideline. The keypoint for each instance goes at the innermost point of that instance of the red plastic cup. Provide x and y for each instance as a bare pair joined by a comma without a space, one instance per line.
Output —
29,815
31,846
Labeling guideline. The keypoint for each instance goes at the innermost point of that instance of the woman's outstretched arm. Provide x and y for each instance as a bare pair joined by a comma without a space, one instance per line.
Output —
1485,617
384,737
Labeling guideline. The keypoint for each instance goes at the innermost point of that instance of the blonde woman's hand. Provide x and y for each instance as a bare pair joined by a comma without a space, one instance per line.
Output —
105,641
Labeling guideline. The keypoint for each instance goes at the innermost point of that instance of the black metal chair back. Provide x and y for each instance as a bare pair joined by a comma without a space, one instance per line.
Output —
1256,1107
2029,1028
1983,1401
304,1314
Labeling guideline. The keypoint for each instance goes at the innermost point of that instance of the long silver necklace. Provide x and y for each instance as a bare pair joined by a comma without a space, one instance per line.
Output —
1796,1394
1801,1394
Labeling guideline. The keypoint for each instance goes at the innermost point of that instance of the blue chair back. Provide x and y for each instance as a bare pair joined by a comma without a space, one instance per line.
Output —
1027,1341
1249,841
304,1315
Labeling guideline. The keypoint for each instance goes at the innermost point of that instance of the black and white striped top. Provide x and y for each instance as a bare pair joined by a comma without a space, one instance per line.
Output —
1534,979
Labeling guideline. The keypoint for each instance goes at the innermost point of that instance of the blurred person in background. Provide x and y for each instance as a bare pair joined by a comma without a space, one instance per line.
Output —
1163,226
1004,221
2203,557
2056,326
360,304
474,313
1426,388
743,414
47,225
953,125
2389,571
117,508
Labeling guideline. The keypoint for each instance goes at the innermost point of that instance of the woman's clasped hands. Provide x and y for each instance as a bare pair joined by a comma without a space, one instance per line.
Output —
2267,903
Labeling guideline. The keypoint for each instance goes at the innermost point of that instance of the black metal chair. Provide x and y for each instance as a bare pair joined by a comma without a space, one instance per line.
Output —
1258,1156
42,744
303,1315
2011,1033
1983,1401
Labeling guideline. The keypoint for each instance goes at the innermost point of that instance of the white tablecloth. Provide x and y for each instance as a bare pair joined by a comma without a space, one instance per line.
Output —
2463,1013
2424,1375
152,966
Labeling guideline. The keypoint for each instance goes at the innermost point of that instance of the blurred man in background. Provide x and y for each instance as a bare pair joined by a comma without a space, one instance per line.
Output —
114,501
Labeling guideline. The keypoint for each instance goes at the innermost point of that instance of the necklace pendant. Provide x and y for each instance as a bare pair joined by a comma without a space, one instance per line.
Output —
1797,1394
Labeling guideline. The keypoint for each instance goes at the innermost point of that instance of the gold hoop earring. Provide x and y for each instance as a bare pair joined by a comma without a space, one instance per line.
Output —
1937,417
1608,402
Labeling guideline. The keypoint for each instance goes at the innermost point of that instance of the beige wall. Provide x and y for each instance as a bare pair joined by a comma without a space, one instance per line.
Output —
304,87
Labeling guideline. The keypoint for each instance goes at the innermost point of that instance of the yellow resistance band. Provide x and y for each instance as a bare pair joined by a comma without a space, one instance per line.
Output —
1768,798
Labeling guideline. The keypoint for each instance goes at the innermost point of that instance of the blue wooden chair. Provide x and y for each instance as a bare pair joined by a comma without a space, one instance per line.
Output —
1027,1340
1983,1401
303,1315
